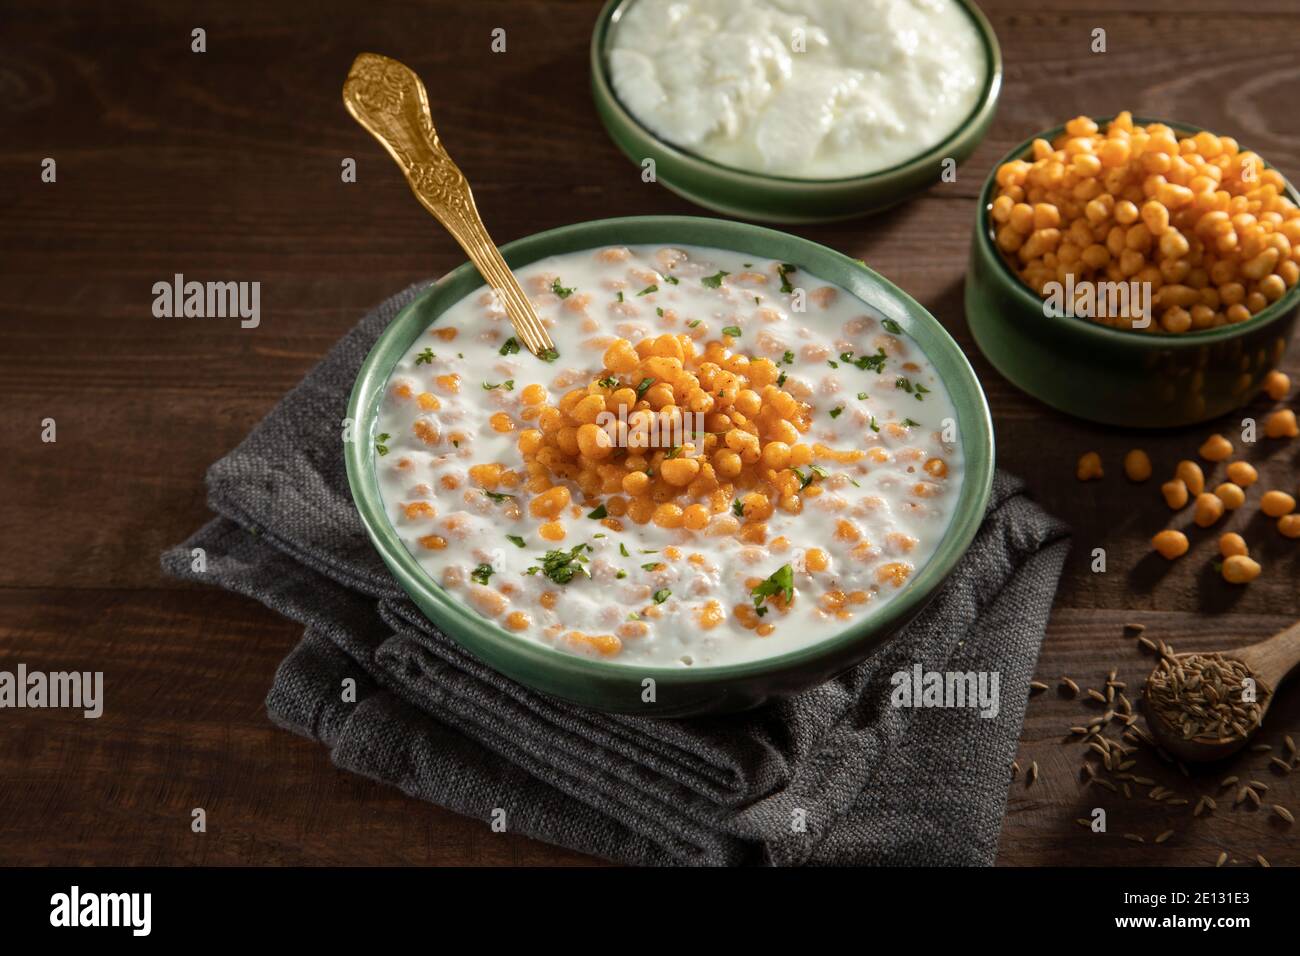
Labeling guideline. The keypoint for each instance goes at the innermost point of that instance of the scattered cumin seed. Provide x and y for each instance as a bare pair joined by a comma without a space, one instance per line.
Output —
1128,793
1255,784
1290,746
1096,695
1083,822
1280,764
1223,858
1135,628
1259,858
1253,797
1284,813
1144,781
1228,781
1180,802
1164,836
1134,838
1015,769
1079,731
1148,644
1033,774
1261,748
1070,686
1106,783
1200,806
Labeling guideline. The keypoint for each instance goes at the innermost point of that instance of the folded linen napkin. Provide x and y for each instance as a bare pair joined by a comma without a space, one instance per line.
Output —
835,775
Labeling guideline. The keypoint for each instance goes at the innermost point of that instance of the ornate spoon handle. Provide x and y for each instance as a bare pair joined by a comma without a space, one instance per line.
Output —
388,99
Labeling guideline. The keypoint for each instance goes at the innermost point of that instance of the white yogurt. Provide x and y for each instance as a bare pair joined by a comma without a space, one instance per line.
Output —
811,89
869,390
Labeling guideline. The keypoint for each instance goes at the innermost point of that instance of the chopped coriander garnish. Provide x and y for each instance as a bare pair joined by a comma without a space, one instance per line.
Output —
620,295
496,495
560,290
598,535
874,363
758,300
548,355
621,574
633,616
833,364
381,443
425,358
659,312
780,379
517,541
874,426
781,581
747,264
783,270
562,566
663,594
837,411
714,281
910,423
508,385
481,574
652,566
815,471
643,386
732,330
647,290
892,327
647,550
598,512
510,347
673,452
787,358
609,381
693,323
920,391
671,280
904,383
622,549
737,508
862,396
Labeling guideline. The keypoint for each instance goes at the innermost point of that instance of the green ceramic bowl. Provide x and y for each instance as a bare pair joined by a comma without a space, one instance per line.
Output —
679,691
748,195
1115,376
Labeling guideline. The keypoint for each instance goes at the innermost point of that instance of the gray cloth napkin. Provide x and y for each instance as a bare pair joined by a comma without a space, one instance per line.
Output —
835,775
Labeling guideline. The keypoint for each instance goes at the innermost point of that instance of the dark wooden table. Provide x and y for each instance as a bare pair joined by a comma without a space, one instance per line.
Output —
226,165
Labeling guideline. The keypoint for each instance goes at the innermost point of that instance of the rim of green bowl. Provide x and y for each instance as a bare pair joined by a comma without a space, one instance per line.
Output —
1125,337
963,386
984,106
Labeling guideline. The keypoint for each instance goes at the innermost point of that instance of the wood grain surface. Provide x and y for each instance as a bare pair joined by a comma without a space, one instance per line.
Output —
225,165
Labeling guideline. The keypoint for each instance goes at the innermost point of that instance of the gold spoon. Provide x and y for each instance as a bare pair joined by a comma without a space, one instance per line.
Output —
1269,662
388,99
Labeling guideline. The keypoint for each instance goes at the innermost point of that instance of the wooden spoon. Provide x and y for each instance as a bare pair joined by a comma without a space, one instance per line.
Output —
389,100
1269,662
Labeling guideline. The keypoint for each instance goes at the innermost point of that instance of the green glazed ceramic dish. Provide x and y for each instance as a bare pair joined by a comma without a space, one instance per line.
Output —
1115,376
748,195
678,691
